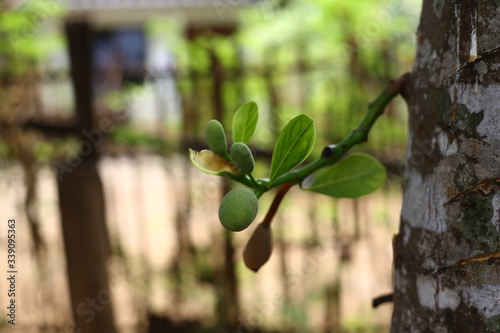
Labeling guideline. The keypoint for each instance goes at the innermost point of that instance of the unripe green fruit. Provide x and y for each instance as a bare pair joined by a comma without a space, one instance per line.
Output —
216,138
259,247
238,209
242,157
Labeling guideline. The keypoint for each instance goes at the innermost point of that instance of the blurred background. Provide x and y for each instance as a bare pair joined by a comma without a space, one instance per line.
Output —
99,101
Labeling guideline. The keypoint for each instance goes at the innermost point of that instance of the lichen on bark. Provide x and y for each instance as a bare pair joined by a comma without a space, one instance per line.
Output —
476,224
493,323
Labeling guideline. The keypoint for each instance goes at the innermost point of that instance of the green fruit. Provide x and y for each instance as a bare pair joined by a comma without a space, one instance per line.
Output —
259,247
242,157
238,209
216,138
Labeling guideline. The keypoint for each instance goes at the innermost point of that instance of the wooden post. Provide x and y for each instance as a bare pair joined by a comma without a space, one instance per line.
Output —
81,200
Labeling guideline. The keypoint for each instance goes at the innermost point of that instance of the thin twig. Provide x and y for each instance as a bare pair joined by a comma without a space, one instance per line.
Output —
382,299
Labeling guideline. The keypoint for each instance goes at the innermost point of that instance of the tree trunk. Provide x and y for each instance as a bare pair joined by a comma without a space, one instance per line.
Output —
81,201
447,252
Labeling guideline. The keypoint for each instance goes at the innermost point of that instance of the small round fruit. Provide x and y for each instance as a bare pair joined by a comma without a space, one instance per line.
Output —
238,209
216,138
259,247
242,157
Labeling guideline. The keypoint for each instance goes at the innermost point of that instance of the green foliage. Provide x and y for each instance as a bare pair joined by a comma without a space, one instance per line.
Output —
44,151
117,100
326,57
4,148
24,37
244,122
131,137
355,176
361,323
294,145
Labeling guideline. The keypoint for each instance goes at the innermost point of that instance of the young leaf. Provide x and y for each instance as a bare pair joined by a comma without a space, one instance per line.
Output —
356,175
208,162
244,122
293,146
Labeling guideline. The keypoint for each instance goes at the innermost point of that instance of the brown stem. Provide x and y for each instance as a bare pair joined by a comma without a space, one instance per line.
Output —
382,299
276,202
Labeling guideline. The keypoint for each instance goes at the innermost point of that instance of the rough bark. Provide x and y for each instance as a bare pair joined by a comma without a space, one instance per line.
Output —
447,251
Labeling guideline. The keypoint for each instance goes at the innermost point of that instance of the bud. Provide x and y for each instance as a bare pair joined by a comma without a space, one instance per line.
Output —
242,157
259,247
216,138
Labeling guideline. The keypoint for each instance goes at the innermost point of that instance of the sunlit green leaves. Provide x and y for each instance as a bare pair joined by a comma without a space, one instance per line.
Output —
356,175
244,122
293,146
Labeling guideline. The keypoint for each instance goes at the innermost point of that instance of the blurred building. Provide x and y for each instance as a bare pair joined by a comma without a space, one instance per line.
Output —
124,51
121,46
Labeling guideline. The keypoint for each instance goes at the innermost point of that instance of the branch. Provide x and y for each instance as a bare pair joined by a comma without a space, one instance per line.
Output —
382,299
333,153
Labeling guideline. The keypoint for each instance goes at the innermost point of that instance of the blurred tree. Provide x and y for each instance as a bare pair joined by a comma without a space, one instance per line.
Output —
21,48
447,252
81,199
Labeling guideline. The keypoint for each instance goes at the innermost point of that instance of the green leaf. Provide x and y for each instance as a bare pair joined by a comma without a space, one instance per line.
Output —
244,122
294,144
356,175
